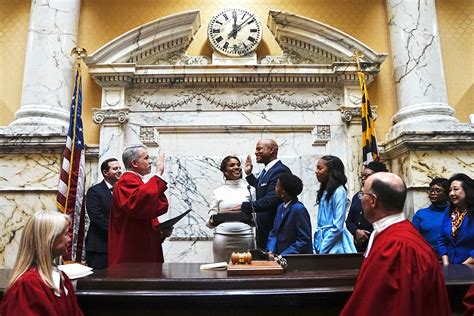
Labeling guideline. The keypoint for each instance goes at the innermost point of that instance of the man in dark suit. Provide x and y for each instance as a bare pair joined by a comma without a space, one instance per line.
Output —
266,202
98,203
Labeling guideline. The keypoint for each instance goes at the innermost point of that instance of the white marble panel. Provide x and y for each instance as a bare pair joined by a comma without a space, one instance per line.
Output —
16,210
29,172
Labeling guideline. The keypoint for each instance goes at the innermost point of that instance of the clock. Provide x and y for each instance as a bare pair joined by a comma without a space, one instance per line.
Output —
234,32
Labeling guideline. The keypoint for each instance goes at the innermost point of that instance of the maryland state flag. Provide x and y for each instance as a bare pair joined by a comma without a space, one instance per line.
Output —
370,151
71,187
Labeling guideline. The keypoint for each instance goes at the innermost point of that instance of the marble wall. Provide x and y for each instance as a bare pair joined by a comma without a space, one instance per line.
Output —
28,184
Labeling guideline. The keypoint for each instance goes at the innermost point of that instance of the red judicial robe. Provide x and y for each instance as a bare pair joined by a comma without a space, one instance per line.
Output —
133,219
400,276
30,295
469,301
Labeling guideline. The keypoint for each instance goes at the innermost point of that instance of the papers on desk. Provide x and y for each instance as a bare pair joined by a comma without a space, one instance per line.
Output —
214,266
75,270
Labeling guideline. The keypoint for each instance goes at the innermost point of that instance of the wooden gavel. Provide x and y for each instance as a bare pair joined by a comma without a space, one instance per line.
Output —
241,258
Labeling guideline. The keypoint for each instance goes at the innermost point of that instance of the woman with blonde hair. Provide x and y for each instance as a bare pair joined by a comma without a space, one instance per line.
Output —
36,286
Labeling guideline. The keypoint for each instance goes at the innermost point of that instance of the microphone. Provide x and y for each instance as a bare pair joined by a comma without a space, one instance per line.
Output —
254,216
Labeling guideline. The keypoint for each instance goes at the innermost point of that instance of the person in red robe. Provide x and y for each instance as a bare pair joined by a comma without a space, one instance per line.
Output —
400,274
36,286
133,223
469,301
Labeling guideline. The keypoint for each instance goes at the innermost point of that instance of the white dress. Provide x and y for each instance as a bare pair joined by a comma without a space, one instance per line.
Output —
230,236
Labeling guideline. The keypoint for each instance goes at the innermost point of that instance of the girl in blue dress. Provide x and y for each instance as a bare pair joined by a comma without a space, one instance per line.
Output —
331,236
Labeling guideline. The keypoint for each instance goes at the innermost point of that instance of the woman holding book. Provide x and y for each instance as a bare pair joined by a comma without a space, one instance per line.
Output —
230,236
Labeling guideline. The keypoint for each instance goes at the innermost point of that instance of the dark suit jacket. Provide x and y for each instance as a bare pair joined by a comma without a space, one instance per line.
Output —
291,233
266,202
356,220
98,204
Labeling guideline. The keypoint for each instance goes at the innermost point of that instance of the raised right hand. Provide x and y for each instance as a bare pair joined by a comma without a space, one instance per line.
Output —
248,165
160,164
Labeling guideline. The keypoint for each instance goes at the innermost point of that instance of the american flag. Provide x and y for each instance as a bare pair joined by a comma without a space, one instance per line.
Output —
71,188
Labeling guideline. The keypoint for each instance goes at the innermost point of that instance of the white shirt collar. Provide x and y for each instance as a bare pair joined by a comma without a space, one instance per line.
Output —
271,164
381,225
56,275
108,184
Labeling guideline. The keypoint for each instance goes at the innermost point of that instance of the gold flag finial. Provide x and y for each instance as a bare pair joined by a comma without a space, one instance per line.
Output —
356,57
80,52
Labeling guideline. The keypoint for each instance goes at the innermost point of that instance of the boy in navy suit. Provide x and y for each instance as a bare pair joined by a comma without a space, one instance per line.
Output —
291,233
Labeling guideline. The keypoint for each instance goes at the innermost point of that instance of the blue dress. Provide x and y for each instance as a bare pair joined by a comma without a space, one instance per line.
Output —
428,222
331,236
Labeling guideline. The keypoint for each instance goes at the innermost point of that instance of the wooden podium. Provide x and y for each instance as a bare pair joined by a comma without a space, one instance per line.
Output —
257,267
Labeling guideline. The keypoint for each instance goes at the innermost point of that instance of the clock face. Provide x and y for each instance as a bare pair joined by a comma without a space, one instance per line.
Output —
234,32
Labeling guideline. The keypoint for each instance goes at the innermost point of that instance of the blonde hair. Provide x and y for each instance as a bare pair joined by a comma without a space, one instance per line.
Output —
36,245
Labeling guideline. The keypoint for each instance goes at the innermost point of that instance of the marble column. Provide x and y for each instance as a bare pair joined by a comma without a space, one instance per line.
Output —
418,68
48,72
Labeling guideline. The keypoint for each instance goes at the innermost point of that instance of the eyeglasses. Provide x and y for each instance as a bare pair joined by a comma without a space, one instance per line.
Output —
361,194
435,190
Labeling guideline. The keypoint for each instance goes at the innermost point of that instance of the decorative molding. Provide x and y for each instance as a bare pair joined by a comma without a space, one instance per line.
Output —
321,135
140,45
218,98
110,116
351,114
202,129
427,141
309,37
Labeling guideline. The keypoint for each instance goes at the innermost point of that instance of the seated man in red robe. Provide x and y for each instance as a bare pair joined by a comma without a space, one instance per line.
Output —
400,274
133,233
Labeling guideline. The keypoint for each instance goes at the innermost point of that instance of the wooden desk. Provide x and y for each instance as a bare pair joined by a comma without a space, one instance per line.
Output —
312,285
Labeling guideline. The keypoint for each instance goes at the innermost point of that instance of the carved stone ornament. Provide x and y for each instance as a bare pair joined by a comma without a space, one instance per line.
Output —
149,135
119,116
321,135
350,113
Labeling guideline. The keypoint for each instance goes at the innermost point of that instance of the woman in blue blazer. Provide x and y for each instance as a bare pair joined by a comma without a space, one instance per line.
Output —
456,241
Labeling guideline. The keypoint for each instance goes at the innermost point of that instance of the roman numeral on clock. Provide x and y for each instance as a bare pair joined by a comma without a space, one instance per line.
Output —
251,39
219,39
226,45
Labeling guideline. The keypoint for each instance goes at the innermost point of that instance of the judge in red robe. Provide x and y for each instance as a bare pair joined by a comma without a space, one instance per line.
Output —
400,274
133,233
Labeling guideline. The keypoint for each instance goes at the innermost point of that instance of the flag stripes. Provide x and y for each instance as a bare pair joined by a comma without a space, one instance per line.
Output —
71,187
370,150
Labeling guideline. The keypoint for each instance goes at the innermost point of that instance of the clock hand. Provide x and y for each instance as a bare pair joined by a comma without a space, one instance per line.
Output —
234,31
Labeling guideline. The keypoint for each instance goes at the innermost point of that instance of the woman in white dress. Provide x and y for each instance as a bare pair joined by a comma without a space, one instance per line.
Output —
230,236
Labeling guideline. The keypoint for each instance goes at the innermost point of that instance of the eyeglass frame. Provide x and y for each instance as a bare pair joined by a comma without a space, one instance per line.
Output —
435,190
361,194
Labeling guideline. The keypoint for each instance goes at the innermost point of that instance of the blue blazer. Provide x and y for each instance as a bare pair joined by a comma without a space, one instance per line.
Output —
98,204
291,233
463,247
266,202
